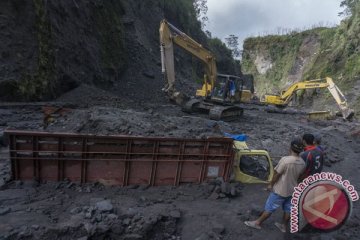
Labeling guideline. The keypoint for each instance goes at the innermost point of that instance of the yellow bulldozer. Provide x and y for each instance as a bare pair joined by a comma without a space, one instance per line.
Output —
286,96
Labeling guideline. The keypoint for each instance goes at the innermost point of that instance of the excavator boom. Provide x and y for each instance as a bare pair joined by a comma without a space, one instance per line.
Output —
286,96
169,35
340,99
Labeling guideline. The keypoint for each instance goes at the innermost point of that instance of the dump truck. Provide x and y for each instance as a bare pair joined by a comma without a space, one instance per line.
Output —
130,160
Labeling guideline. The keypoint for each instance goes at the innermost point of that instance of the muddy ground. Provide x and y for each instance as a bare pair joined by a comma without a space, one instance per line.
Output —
31,210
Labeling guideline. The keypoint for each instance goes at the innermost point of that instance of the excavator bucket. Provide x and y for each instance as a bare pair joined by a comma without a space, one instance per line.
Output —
348,113
179,98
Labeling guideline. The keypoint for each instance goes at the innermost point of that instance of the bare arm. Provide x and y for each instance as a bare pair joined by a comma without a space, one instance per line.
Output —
275,178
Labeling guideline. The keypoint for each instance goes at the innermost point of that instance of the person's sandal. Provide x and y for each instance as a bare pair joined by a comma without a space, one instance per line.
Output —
280,227
252,224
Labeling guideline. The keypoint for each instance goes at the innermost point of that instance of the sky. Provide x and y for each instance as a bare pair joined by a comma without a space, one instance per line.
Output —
245,18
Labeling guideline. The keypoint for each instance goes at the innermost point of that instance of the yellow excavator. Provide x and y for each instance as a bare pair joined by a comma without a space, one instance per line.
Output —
219,92
286,96
217,95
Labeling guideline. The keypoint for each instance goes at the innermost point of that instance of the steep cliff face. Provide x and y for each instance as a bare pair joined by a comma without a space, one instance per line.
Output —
278,61
18,48
49,47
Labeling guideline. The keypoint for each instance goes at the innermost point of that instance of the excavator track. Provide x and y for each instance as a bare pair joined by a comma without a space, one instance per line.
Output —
225,113
216,112
191,106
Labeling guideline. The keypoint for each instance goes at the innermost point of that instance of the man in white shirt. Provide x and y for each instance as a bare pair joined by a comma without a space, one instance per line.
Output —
282,185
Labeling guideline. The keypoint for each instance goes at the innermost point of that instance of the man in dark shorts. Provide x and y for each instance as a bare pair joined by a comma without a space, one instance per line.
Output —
282,186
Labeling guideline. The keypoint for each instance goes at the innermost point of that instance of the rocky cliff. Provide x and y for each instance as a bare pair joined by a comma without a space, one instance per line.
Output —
278,61
49,47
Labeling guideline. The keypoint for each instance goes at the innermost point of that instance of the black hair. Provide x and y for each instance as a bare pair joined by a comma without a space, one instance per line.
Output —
317,138
308,138
296,145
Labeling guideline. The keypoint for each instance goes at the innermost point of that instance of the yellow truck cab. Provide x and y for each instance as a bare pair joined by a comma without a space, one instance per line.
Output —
251,166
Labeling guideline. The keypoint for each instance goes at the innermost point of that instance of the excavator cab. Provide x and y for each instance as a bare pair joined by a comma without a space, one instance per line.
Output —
205,90
230,89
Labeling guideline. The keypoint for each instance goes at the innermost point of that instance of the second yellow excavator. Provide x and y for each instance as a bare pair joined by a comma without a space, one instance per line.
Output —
219,92
286,96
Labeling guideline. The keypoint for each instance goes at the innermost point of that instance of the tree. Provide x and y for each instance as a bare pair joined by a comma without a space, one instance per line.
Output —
349,6
232,42
201,9
224,59
208,34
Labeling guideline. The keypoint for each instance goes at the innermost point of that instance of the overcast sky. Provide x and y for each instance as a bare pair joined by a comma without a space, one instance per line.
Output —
245,18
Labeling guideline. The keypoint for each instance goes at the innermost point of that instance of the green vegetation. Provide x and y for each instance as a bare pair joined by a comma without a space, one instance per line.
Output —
40,85
183,15
337,54
281,51
225,62
111,35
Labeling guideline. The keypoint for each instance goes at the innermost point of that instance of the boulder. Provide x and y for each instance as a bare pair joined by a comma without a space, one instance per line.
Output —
4,210
104,206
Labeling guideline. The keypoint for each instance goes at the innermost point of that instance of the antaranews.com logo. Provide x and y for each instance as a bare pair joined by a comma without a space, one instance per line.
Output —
322,201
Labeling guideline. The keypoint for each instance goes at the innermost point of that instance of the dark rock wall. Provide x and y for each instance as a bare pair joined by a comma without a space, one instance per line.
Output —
18,41
49,47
